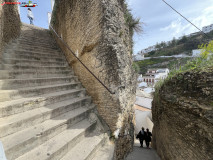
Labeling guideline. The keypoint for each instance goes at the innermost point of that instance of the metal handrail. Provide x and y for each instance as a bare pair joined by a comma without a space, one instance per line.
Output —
82,62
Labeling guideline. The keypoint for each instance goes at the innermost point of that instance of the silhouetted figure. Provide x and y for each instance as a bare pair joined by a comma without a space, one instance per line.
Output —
148,138
141,135
30,16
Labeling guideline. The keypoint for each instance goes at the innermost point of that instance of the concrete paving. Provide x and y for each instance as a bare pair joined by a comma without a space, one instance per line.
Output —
142,153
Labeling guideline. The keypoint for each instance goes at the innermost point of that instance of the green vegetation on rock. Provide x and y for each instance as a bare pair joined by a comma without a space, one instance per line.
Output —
184,45
202,63
170,63
199,63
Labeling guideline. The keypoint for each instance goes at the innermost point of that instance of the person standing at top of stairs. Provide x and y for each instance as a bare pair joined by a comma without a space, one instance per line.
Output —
30,16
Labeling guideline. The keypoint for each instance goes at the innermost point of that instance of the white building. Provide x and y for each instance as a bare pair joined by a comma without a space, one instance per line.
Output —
161,74
140,78
147,50
207,29
138,57
196,52
142,85
195,33
154,75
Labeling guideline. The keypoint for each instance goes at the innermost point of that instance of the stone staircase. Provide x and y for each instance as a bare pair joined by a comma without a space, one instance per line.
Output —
45,112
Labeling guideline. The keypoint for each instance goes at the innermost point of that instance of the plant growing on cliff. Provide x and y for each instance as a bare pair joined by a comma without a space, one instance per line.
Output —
203,61
133,23
206,49
200,63
136,67
158,86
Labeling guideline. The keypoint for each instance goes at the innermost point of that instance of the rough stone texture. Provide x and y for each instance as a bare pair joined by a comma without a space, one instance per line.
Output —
9,23
182,114
96,30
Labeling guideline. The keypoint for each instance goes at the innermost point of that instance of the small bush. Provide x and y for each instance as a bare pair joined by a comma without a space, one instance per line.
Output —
200,63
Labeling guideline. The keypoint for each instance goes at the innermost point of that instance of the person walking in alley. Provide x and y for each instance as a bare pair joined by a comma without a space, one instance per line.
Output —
30,16
148,138
141,135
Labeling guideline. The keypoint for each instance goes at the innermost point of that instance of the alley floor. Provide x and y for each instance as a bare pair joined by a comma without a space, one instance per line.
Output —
142,153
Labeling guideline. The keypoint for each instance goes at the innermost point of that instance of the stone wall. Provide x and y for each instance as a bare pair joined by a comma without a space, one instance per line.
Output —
183,117
10,24
96,31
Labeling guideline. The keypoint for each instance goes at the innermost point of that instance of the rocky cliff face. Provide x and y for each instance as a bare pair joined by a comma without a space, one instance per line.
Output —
183,117
10,24
96,31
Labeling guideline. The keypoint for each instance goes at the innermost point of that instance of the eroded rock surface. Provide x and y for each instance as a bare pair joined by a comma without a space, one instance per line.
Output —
10,24
183,117
97,32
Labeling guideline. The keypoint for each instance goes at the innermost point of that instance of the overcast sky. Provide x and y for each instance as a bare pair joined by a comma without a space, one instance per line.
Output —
162,23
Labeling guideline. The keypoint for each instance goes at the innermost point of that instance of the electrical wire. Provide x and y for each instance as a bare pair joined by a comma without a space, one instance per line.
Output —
185,18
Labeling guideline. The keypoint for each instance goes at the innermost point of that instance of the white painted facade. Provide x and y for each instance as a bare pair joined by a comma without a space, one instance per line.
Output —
195,33
142,85
140,78
147,50
154,75
138,57
208,28
196,52
161,74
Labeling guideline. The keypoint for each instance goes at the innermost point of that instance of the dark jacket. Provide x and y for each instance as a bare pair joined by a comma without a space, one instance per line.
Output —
141,135
148,136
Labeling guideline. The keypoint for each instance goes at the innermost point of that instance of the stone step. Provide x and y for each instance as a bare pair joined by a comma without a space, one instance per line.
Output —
36,56
23,83
31,42
16,144
33,52
12,107
59,145
106,152
45,113
30,35
12,53
28,44
18,122
86,149
38,47
6,74
26,62
36,43
35,38
32,68
23,66
7,95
